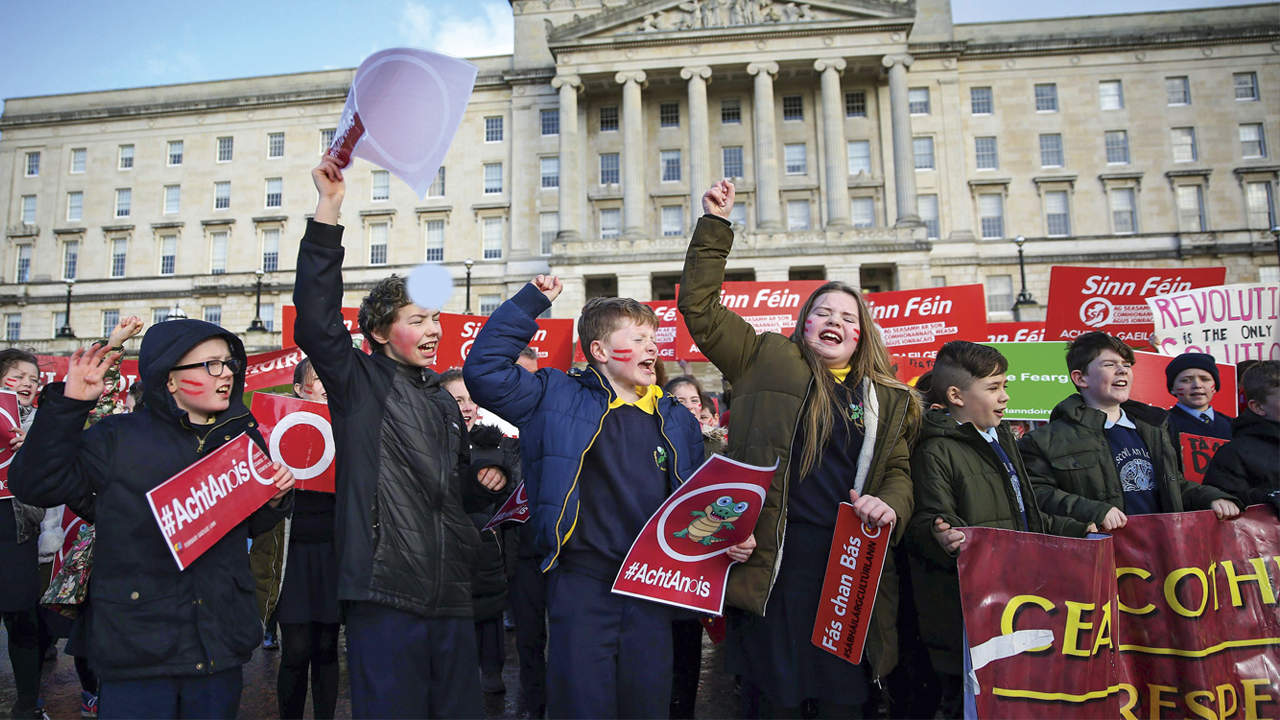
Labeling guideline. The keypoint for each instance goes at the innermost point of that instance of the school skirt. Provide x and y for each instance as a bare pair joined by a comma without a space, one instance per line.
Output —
310,591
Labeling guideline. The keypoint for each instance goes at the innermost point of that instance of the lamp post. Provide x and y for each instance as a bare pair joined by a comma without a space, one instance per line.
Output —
176,313
65,330
1024,298
468,263
1275,233
257,325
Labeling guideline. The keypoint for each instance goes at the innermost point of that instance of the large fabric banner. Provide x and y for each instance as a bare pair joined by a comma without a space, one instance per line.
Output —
914,322
553,341
1175,615
1113,300
289,318
768,305
270,369
1233,323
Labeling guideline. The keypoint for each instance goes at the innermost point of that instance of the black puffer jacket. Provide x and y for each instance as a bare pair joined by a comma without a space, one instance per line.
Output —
489,580
147,618
1248,466
402,537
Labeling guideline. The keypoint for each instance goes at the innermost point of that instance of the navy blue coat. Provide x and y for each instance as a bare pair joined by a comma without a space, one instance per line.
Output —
559,416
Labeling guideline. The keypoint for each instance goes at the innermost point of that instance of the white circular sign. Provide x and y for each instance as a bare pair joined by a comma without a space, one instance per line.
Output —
310,419
662,520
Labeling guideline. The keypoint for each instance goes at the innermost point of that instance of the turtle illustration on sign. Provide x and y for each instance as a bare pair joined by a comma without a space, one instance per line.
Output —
706,523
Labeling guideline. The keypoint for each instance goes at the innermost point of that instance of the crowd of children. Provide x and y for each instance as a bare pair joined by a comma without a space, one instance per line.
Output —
400,554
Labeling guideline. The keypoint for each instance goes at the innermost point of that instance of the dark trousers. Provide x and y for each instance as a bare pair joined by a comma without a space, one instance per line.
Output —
407,666
490,644
686,666
205,697
608,656
528,600
308,646
25,655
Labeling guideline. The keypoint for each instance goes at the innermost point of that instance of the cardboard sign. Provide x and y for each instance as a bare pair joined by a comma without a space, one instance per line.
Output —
1197,451
270,369
1014,332
1149,385
768,306
515,509
909,369
299,437
1038,378
1113,300
1233,323
553,341
921,321
289,318
197,507
670,322
10,420
849,589
679,557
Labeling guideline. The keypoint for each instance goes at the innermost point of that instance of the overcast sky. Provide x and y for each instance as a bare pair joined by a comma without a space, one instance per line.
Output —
61,46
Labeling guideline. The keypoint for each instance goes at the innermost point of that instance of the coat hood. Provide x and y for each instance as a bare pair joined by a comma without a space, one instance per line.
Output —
1252,424
164,345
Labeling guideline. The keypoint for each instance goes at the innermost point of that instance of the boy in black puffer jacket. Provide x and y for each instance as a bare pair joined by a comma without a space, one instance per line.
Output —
1249,466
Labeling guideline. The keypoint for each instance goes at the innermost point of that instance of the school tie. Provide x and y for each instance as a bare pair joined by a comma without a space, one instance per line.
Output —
1204,418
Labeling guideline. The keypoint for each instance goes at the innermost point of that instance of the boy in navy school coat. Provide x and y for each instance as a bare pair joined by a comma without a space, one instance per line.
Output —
1193,379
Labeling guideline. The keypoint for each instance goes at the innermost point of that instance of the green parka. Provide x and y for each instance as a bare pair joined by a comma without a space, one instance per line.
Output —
771,382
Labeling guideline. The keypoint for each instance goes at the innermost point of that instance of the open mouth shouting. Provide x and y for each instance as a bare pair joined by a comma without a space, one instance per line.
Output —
223,389
428,348
831,337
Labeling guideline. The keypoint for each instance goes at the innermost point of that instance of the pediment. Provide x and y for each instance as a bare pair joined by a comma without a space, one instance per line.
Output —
660,18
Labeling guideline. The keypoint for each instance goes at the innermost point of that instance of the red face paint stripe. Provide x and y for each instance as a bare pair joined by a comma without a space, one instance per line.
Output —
621,354
193,384
10,382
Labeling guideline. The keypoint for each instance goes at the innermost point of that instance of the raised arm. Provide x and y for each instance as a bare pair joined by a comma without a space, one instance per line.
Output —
496,383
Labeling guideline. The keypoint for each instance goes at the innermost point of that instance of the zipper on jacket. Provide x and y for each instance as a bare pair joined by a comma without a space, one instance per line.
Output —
200,441
560,541
786,492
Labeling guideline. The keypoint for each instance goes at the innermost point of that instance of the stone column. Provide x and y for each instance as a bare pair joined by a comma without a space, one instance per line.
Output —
837,166
633,154
904,170
768,210
699,139
572,190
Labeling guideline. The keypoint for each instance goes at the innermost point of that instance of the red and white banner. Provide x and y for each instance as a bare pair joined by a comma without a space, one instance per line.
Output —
299,436
289,318
1197,451
670,323
270,369
909,369
197,507
849,589
1014,332
1113,300
921,321
553,340
1149,384
515,509
10,421
1233,323
679,557
768,306
53,368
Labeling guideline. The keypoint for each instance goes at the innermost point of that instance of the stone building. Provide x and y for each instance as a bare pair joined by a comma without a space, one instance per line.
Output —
872,141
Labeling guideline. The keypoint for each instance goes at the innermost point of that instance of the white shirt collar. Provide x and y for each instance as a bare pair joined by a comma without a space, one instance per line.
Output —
1196,413
988,433
1123,421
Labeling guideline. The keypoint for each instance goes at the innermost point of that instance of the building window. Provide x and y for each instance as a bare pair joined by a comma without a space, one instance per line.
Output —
275,145
985,153
862,210
609,118
13,327
381,185
1246,85
70,259
226,147
275,192
222,195
731,161
326,138
213,314
731,111
669,161
33,164
792,107
797,214
999,292
610,223
218,252
609,168
110,318
492,238
1124,216
859,156
172,199
672,220
1190,208
1177,90
550,121
1260,205
267,313
927,207
23,270
797,162
124,202
549,168
1110,95
437,186
738,213
119,254
918,101
79,158
980,101
669,115
1117,144
489,303
991,215
378,243
1051,150
922,148
855,104
270,249
28,209
548,228
1253,143
1046,97
434,230
1184,144
493,128
492,178
175,153
158,315
168,254
1057,214
125,157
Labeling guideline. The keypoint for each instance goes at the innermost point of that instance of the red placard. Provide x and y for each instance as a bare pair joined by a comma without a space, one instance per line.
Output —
768,306
849,589
553,341
679,557
10,420
289,317
197,507
270,369
1113,300
515,509
1149,386
53,368
909,369
918,322
1197,451
670,323
1014,332
299,437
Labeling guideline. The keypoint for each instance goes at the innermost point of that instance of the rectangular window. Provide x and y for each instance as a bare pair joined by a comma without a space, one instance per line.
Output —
1110,95
549,168
492,238
213,314
437,185
1046,97
738,214
267,313
23,270
863,212
731,111
226,148
124,202
922,149
28,209
221,195
33,164
1260,204
1177,90
1057,214
218,252
610,223
1184,144
326,138
381,185
672,220
110,318
731,161
175,153
70,259
79,158
859,156
999,292
119,254
609,118
13,327
796,159
159,315
168,254
927,207
669,115
434,230
609,169
550,121
985,153
792,107
492,178
275,193
1117,145
172,199
1190,208
855,103
489,302
669,161
1124,217
980,101
1246,85
125,157
1051,150
918,100
1253,144
270,249
991,215
275,145
548,228
377,243
797,214
493,128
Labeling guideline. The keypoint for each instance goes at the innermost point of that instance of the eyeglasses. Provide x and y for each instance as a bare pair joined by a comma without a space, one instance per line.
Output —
213,367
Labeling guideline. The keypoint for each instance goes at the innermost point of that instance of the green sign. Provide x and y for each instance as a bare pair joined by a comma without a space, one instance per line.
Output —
1038,378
